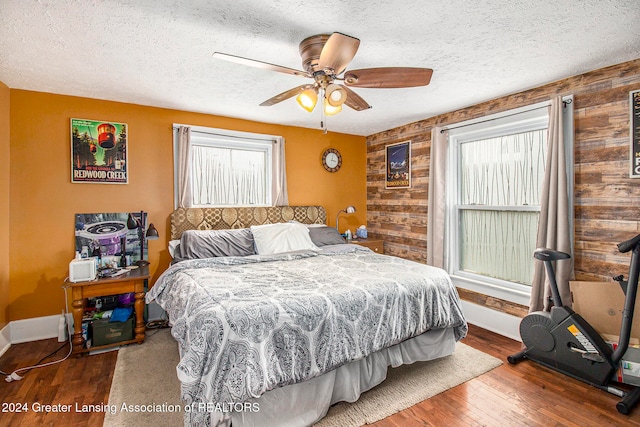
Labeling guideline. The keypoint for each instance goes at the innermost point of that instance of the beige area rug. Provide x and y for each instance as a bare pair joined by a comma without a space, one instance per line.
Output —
145,376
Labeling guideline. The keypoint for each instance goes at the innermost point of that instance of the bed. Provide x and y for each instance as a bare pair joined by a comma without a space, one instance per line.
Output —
275,313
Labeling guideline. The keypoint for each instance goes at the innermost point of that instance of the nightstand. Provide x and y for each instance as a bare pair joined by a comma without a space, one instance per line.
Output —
376,245
133,281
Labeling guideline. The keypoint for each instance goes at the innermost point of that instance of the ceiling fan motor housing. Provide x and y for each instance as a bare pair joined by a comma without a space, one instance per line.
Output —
310,49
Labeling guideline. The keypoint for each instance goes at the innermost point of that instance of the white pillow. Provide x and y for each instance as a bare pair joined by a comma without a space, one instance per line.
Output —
172,247
281,237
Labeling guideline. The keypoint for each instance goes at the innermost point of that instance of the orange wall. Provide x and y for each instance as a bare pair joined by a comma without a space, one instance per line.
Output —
43,201
4,204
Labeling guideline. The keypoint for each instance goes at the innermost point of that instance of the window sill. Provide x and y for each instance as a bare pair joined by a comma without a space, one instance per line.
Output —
494,290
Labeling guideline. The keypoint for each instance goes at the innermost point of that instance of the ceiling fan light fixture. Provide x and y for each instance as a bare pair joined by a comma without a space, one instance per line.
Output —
326,57
331,110
336,95
308,99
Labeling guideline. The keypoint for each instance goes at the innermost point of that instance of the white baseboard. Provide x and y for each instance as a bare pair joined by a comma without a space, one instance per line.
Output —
34,329
5,339
27,330
492,320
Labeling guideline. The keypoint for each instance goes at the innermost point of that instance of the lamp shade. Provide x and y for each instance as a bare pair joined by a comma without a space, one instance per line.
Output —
348,209
330,110
308,99
335,95
152,232
132,222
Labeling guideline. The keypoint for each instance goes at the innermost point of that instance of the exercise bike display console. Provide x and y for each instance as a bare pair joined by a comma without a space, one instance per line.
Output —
562,340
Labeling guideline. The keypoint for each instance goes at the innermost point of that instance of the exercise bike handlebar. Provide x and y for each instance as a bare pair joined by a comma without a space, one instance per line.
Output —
630,297
629,244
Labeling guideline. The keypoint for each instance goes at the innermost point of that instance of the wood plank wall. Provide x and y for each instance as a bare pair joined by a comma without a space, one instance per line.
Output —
607,201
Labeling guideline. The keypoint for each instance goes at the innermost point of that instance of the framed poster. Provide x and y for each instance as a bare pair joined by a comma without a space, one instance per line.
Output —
398,163
106,235
98,152
634,133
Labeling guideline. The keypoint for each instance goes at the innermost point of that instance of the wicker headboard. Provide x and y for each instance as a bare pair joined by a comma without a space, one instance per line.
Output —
223,218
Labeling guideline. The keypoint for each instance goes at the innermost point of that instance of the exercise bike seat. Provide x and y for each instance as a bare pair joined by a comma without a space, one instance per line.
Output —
545,254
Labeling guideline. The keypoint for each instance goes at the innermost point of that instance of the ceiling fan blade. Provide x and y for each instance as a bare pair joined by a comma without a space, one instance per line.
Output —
338,52
259,64
285,95
355,101
389,77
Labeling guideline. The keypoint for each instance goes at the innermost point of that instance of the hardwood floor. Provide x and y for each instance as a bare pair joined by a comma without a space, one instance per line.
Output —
81,381
525,394
521,395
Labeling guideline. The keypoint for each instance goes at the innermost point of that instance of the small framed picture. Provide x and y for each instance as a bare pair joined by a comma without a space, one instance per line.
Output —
398,163
99,152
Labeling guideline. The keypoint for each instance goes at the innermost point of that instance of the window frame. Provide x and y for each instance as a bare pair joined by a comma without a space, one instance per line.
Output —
228,139
530,118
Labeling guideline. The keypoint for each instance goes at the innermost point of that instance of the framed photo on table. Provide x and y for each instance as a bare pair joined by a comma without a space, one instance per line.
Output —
99,152
398,164
107,234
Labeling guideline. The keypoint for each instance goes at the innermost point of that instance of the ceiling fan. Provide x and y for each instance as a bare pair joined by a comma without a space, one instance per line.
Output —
325,59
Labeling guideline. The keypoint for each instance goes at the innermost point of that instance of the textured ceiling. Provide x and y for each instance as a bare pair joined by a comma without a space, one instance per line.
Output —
159,52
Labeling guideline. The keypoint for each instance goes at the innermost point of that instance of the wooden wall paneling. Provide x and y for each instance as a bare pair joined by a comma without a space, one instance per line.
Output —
607,201
494,303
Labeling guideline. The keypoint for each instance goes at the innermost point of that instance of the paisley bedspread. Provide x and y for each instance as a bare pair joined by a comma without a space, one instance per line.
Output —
246,325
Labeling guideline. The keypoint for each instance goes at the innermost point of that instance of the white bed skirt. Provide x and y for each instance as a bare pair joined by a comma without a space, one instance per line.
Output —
306,403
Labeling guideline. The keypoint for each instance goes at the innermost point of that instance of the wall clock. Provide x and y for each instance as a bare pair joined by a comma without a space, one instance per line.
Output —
331,160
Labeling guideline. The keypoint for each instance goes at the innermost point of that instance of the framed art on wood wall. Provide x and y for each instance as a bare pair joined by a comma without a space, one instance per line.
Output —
398,164
98,152
634,132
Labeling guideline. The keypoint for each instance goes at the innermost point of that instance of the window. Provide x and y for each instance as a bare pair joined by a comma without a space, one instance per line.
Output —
235,174
495,175
228,168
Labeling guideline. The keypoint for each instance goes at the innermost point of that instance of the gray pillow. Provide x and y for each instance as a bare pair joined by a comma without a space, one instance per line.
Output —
322,236
216,243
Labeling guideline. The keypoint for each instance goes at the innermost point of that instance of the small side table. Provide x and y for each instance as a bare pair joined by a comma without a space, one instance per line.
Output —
376,245
133,281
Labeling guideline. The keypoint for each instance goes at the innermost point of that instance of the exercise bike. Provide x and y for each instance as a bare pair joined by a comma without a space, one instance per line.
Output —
563,341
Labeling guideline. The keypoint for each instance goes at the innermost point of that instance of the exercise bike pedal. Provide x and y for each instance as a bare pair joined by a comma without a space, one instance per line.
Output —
594,357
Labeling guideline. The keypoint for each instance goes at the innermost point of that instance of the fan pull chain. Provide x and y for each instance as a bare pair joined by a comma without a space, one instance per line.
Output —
323,117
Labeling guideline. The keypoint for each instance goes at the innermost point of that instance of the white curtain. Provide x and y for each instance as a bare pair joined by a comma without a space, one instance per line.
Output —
279,192
436,207
184,161
554,231
223,176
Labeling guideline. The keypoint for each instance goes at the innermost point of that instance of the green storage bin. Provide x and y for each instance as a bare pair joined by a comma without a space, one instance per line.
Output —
106,332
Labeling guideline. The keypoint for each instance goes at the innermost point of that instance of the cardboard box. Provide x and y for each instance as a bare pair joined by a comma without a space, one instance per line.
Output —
106,332
629,370
601,304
